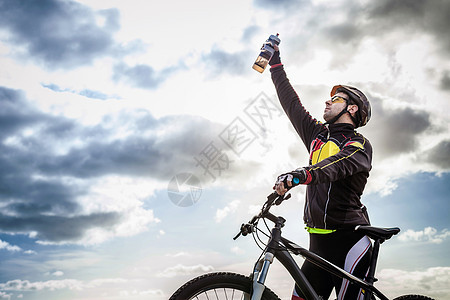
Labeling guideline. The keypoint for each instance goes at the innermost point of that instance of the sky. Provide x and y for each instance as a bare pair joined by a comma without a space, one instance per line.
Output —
136,138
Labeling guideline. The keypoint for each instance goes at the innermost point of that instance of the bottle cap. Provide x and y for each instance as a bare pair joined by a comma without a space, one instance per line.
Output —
275,38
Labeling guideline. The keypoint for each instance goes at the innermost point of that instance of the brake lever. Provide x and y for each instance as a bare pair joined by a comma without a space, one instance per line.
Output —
245,229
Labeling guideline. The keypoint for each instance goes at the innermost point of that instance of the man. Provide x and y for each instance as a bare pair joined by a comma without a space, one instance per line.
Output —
339,164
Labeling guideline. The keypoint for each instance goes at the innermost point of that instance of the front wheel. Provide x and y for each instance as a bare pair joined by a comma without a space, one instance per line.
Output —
413,297
219,286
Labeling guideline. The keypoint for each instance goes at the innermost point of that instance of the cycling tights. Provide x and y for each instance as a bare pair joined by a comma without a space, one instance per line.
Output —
348,250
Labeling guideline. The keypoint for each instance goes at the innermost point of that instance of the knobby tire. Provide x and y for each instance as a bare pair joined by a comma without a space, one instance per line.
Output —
214,285
413,297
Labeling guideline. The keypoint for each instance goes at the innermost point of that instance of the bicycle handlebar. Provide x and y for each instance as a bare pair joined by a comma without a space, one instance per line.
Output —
272,199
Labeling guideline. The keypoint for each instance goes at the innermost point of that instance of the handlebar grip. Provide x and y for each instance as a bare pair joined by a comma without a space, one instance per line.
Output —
273,196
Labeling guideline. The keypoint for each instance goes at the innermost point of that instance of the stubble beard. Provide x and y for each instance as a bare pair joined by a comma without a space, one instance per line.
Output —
328,115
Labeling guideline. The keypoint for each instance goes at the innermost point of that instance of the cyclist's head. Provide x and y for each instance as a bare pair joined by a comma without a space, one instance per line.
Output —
356,97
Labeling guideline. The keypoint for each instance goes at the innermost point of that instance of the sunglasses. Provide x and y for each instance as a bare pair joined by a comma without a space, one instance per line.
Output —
338,99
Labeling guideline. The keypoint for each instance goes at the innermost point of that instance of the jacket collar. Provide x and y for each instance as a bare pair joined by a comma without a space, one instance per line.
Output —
344,128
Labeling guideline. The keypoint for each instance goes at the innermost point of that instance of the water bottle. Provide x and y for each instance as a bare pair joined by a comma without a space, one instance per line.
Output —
267,51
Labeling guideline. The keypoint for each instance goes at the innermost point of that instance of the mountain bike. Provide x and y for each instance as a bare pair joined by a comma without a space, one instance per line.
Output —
226,285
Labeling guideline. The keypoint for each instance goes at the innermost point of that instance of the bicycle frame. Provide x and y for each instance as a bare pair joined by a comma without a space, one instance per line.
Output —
274,249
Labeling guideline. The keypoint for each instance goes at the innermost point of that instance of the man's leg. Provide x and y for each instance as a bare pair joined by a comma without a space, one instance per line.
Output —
348,250
320,280
356,262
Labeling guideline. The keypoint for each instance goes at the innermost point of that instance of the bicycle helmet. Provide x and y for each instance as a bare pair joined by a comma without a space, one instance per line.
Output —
364,110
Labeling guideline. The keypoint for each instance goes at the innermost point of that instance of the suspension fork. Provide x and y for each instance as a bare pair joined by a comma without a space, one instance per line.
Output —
259,275
262,268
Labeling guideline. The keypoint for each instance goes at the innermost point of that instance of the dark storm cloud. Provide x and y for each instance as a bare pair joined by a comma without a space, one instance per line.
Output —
439,155
39,187
384,17
343,33
17,160
157,148
396,131
24,195
62,34
445,81
57,228
151,154
157,157
427,16
342,28
12,118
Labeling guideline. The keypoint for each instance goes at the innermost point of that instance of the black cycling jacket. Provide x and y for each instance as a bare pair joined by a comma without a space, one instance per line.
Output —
339,163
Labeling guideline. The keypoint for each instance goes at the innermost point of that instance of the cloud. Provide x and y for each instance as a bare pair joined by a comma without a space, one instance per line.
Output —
127,294
439,155
179,254
429,235
396,130
274,4
53,285
40,151
94,94
155,146
349,24
58,273
237,250
430,17
222,213
249,33
13,248
88,93
16,113
159,151
445,81
152,293
385,18
61,34
29,199
433,282
143,76
184,270
218,62
8,247
58,228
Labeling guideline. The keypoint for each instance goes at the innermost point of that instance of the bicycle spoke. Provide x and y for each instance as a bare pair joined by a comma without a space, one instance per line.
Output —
222,294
